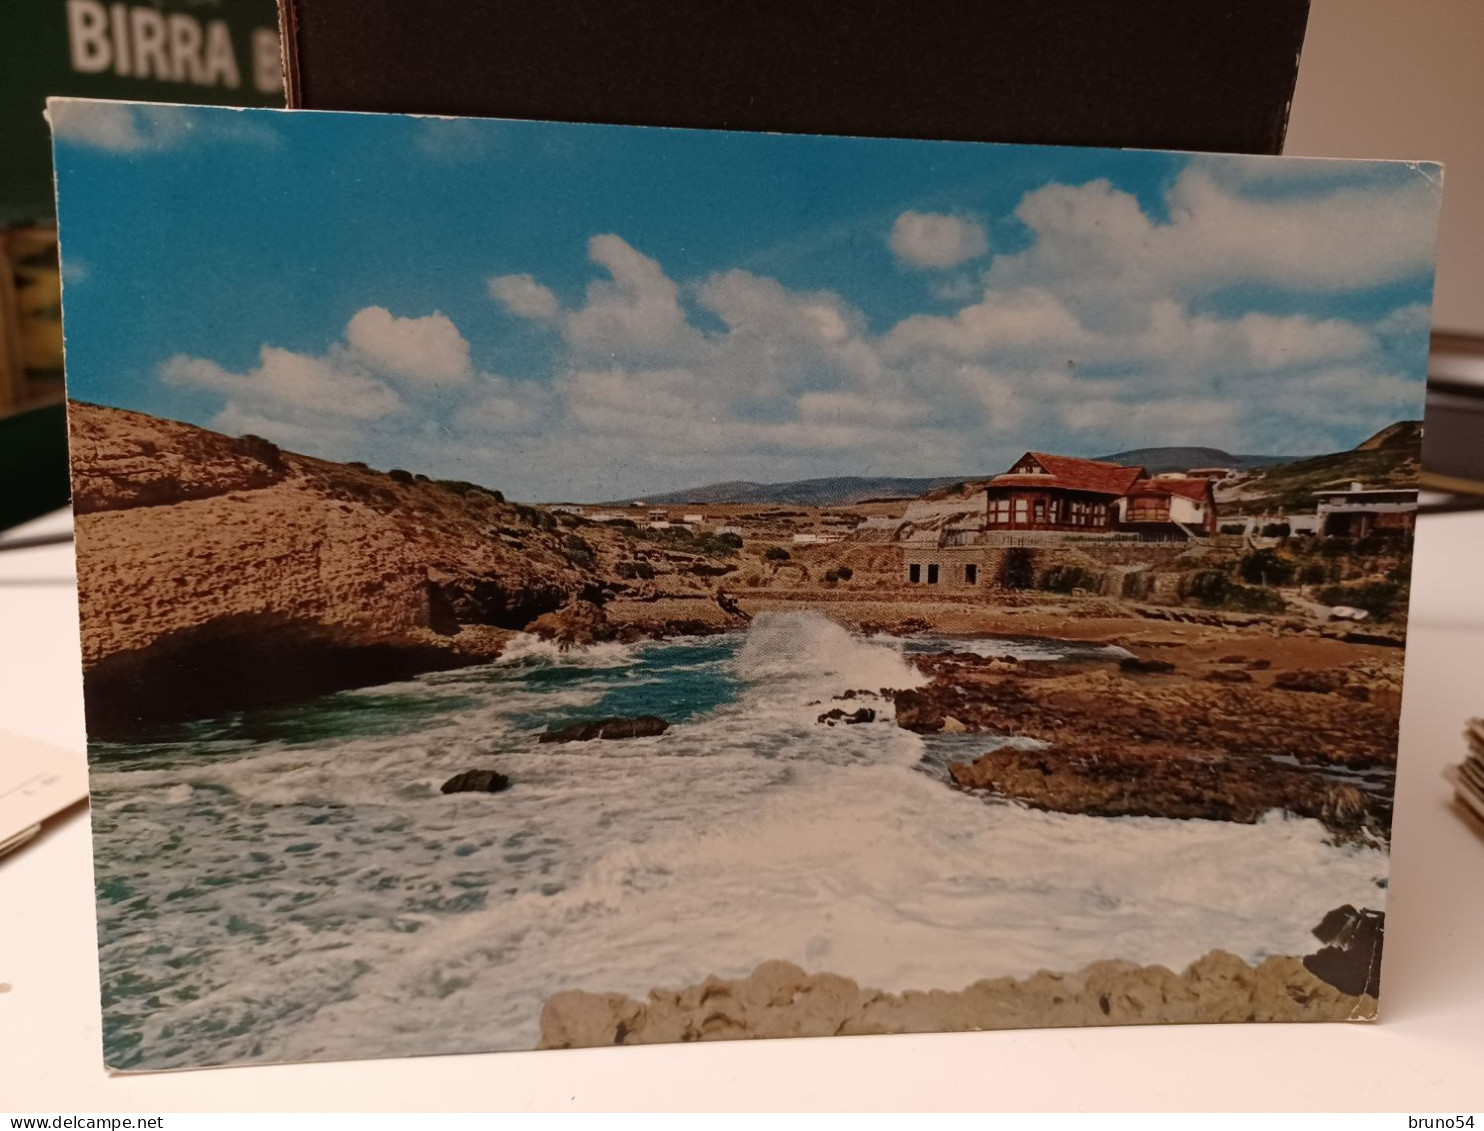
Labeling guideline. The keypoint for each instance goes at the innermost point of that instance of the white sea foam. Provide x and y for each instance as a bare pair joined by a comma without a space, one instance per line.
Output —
327,901
525,648
807,648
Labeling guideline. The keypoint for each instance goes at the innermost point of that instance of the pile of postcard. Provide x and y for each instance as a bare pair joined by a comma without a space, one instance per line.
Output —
1469,778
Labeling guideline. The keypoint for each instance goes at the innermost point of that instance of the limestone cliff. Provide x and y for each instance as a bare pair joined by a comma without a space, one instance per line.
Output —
216,573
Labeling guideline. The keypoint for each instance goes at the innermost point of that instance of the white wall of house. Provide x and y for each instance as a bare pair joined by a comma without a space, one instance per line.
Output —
1186,510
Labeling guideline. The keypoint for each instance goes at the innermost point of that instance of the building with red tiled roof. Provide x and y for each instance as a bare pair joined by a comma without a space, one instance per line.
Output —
1042,491
1046,492
1046,499
1154,503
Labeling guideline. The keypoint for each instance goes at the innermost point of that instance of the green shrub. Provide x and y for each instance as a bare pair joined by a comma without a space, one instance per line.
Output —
399,476
1065,578
776,554
578,552
838,574
1314,573
1210,587
1277,530
264,451
463,487
714,545
1215,589
1266,567
1018,569
682,538
532,516
1249,599
1379,598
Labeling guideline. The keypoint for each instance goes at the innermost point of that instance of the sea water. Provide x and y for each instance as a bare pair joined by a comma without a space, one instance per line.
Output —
292,884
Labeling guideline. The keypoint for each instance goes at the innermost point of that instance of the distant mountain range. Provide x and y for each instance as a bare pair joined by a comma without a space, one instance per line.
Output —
1156,460
849,490
836,491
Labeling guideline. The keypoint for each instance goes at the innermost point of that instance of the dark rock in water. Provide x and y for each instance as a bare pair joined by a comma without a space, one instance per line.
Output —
1351,959
864,715
643,726
1229,675
918,712
477,781
1135,664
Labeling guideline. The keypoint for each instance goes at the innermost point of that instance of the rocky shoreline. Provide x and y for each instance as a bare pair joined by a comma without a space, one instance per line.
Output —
1227,738
779,999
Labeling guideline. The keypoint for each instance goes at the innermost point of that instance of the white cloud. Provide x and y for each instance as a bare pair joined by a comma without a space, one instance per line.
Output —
934,240
427,350
636,310
121,127
505,406
285,380
1114,327
116,126
1094,240
1031,316
332,402
455,139
523,296
1414,318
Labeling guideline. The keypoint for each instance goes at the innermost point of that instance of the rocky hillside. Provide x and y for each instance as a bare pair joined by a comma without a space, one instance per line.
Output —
216,573
1390,458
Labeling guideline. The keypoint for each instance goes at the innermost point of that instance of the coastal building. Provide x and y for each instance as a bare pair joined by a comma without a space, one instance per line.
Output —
1045,492
1160,507
1049,492
1254,525
1044,502
566,508
1358,511
1215,474
693,519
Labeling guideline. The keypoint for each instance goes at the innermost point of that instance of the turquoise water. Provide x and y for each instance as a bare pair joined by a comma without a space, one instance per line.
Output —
291,884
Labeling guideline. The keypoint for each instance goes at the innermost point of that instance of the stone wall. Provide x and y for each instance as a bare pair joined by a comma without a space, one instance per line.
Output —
1110,562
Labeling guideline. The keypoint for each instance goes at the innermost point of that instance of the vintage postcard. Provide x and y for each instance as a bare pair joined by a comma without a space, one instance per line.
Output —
551,585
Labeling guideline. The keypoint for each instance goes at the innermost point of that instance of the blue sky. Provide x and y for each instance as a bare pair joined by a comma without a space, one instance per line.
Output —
586,312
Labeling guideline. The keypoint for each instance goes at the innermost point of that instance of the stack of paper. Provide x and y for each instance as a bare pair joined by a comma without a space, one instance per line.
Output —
1469,780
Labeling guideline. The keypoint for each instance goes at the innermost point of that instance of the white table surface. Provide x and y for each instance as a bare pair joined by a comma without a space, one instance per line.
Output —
1425,1055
